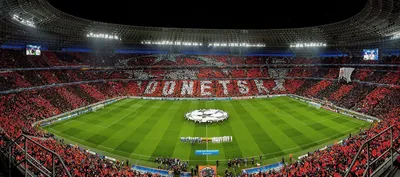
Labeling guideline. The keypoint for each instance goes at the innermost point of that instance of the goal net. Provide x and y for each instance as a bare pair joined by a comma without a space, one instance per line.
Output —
315,105
95,108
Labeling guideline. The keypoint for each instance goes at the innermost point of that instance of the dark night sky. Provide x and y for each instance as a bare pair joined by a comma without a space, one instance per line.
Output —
245,14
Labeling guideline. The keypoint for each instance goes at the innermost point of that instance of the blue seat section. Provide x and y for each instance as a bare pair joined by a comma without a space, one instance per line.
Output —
151,170
263,168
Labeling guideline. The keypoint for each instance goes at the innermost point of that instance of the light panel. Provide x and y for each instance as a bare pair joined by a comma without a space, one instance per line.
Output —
188,43
103,36
311,44
24,21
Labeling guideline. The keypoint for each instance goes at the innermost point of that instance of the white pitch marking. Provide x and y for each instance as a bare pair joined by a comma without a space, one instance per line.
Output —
289,115
71,137
222,160
121,119
276,159
77,120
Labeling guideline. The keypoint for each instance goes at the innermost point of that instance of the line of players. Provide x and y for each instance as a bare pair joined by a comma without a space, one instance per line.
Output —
191,140
222,139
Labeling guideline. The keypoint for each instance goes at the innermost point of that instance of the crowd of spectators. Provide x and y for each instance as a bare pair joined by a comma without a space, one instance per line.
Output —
24,79
318,87
342,91
372,99
336,159
19,110
172,164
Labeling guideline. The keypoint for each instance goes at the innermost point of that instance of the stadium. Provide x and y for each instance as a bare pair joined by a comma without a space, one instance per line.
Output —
88,96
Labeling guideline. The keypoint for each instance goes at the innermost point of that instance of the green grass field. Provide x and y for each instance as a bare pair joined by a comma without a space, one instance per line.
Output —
144,129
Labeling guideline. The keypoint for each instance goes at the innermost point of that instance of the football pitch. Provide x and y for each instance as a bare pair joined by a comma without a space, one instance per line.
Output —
142,130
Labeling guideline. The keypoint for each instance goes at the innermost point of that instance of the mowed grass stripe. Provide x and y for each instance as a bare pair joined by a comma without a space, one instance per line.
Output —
288,134
322,121
80,122
170,138
83,131
138,136
62,125
263,140
321,116
293,127
117,123
294,121
331,124
107,112
130,135
124,115
231,149
93,118
74,128
298,133
246,143
335,117
117,114
325,126
128,125
111,125
154,136
213,131
184,150
269,123
342,122
199,131
310,120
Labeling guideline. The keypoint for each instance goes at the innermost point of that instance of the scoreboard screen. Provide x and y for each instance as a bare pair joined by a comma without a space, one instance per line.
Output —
371,54
33,50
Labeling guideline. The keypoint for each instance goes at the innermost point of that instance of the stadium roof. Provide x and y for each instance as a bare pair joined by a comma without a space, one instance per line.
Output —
221,14
378,21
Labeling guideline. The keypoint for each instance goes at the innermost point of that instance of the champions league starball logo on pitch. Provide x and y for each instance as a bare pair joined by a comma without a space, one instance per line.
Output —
207,115
207,172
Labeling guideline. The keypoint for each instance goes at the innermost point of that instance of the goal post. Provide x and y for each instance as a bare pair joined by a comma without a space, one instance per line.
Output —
99,106
315,105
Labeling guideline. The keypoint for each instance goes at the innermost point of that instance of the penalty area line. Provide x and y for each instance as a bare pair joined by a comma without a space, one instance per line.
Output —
122,118
277,109
276,158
